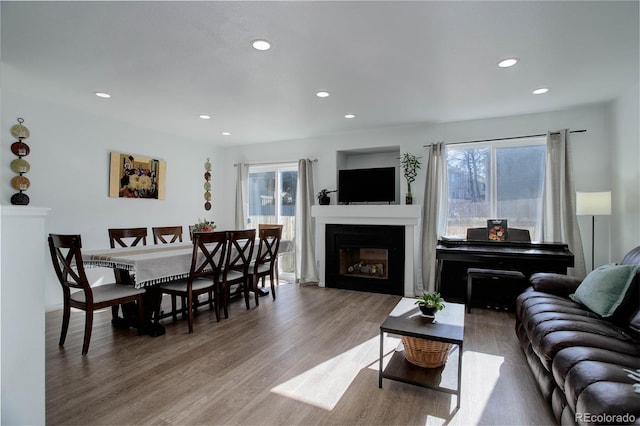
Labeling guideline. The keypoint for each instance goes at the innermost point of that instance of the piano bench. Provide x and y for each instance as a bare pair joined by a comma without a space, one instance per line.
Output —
488,274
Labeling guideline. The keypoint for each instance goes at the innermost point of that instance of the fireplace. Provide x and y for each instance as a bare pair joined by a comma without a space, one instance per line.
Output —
365,258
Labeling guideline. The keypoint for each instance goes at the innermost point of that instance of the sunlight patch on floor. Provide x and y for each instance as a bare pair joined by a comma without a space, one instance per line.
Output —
478,384
323,385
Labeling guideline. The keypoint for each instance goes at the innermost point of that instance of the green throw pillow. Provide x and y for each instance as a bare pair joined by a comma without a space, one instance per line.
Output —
604,288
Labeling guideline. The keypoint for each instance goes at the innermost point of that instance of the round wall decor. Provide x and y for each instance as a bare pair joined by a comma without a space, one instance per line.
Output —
20,165
207,185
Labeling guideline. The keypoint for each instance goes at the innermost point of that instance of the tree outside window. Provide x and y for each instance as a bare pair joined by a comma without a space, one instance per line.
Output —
495,180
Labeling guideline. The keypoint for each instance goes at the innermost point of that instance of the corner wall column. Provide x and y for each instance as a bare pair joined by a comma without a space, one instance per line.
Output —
22,313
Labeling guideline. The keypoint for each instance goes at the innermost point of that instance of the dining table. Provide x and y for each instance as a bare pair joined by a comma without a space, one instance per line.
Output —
148,267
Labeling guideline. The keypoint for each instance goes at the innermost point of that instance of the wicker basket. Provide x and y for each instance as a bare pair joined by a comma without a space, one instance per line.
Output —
425,353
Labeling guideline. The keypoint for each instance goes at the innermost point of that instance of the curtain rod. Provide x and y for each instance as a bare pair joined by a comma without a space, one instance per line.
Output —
504,139
267,163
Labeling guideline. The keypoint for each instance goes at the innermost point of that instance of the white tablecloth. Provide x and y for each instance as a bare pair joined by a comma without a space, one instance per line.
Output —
154,264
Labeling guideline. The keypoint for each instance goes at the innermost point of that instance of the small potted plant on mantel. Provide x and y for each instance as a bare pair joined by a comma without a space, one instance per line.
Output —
323,197
430,303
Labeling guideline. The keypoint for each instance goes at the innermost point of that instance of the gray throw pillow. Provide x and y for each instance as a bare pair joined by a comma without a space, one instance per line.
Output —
604,289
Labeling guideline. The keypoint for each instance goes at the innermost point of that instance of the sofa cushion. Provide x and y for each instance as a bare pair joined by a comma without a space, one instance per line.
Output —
607,402
533,302
586,373
567,358
605,288
552,283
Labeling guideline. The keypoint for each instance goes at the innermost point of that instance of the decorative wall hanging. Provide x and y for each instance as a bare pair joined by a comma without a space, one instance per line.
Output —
19,165
137,177
207,185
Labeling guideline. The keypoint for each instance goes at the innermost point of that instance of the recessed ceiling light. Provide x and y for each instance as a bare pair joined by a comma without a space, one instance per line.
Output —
322,94
205,116
226,134
102,95
261,44
349,116
540,91
509,62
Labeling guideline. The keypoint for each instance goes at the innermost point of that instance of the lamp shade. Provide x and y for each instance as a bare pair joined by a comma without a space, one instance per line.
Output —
593,203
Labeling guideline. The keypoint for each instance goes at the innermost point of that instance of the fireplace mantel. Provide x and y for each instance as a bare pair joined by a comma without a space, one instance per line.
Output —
405,215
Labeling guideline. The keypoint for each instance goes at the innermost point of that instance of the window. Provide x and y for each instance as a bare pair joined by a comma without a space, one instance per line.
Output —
496,180
272,199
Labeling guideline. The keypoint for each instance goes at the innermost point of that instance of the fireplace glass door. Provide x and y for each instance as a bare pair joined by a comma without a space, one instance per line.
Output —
364,262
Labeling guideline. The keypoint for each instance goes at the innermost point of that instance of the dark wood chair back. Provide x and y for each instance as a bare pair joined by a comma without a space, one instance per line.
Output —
209,250
262,226
268,247
116,235
241,243
67,262
172,234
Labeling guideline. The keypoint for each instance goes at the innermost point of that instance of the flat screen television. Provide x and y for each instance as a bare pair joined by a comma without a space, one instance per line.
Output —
367,185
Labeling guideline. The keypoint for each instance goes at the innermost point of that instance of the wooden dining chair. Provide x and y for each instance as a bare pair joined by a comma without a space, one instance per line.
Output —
67,261
236,269
123,237
265,262
207,261
172,233
168,235
279,226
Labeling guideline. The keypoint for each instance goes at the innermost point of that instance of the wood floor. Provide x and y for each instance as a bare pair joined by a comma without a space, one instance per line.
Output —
308,358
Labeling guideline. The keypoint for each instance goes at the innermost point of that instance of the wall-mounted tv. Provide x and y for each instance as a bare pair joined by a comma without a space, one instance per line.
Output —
367,185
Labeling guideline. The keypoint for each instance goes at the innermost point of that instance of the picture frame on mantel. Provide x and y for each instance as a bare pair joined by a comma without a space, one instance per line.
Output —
137,177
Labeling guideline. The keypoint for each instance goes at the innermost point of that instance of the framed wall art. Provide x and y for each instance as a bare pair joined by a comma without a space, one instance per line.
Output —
137,177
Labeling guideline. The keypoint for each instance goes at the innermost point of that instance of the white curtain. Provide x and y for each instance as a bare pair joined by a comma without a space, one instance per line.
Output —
306,271
242,202
559,221
434,217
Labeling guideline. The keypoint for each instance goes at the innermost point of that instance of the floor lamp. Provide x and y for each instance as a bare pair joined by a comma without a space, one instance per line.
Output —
593,204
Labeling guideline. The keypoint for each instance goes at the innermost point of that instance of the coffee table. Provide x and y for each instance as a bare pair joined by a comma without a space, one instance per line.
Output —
448,326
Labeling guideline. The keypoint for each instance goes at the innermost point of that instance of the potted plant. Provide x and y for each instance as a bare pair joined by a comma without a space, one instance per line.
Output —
204,225
323,196
430,303
410,165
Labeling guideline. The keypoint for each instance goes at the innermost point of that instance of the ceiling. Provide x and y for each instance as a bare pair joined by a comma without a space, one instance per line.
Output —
390,63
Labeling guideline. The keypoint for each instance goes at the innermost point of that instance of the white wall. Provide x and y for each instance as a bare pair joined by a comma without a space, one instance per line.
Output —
591,151
70,174
70,159
625,173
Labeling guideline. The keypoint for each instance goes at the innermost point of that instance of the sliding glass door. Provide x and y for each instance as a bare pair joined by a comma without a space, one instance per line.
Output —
272,199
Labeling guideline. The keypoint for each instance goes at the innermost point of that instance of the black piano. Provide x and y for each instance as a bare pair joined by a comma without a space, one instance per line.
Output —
454,257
